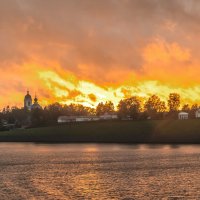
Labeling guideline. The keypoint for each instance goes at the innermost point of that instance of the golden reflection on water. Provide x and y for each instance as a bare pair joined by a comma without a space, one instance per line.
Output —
87,184
91,149
92,171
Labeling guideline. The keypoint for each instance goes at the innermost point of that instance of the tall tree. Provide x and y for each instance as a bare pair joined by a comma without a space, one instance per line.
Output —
53,111
186,108
154,106
174,102
107,107
130,107
192,113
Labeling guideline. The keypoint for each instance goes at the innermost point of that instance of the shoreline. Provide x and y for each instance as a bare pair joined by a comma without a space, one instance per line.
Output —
113,132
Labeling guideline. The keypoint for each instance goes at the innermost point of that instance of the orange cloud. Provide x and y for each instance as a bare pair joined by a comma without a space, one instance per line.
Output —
169,63
92,97
75,52
162,52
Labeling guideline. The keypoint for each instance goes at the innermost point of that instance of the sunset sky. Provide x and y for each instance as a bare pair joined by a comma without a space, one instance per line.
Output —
89,51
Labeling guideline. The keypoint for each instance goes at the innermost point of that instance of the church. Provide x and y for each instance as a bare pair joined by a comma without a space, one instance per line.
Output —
28,102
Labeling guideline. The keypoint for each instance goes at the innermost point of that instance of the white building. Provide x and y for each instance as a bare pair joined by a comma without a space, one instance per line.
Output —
67,119
183,115
197,113
107,116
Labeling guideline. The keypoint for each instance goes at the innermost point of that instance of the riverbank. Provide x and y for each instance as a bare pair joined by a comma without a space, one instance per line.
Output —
151,131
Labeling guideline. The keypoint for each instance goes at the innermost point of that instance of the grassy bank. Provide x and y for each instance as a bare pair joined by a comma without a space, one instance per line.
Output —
158,131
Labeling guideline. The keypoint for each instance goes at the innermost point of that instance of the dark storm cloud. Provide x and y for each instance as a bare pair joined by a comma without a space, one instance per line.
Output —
101,35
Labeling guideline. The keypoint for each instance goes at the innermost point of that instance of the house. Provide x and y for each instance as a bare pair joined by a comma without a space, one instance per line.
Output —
67,119
83,119
126,118
87,118
183,115
197,113
107,116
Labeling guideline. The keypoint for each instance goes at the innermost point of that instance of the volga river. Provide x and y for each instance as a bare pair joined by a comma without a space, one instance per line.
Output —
29,171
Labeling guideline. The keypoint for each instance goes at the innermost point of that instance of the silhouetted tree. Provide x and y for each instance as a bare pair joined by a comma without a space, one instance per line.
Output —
194,107
127,108
186,108
174,104
53,111
130,107
77,110
155,107
103,108
20,115
1,124
193,110
37,117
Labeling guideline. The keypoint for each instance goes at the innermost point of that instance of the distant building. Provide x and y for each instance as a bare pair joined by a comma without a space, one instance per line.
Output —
28,102
86,118
183,115
67,119
197,113
107,116
36,105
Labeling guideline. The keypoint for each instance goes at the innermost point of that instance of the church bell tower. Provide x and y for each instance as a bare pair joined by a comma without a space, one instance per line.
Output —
28,101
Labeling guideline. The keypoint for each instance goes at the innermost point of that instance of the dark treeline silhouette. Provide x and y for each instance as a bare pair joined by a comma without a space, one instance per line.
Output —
133,108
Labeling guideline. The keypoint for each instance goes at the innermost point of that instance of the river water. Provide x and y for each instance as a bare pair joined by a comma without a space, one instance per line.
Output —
89,171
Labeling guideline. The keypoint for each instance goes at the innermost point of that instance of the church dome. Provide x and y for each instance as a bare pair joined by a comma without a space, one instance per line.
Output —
28,96
36,105
36,99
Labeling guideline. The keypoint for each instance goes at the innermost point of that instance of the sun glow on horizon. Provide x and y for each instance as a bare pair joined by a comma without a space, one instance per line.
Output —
90,94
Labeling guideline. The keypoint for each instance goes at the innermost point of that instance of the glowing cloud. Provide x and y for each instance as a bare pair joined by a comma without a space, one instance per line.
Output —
92,51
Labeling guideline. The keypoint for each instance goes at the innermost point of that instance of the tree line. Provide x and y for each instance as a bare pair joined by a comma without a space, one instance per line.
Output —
130,108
